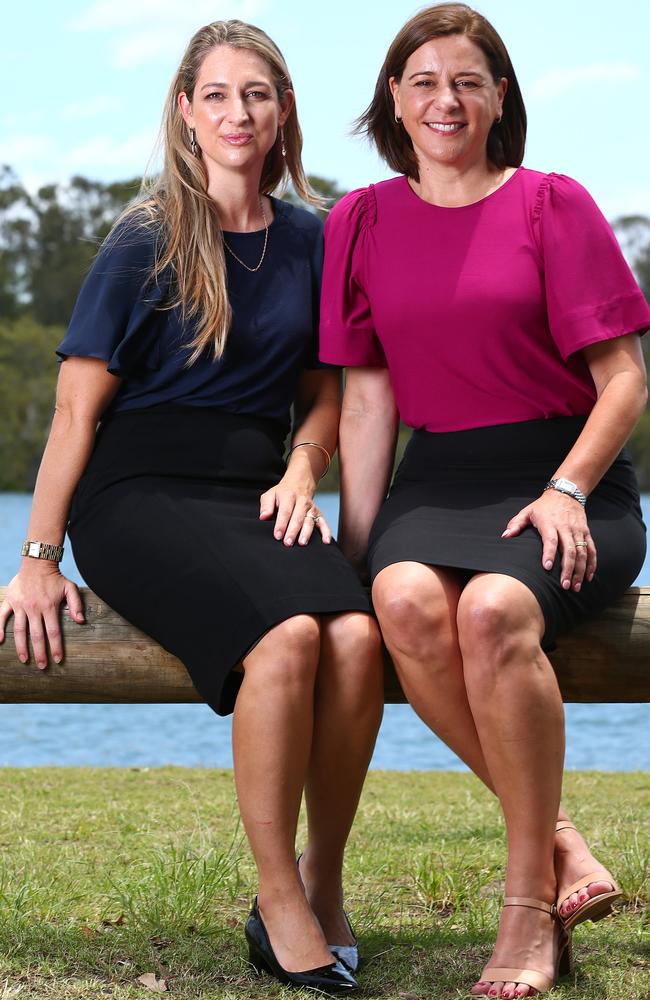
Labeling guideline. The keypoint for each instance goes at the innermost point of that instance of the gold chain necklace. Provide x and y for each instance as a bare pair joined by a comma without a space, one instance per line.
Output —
266,240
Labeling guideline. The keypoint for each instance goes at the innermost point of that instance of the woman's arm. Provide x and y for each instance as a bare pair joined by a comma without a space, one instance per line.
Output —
618,371
316,414
367,436
84,390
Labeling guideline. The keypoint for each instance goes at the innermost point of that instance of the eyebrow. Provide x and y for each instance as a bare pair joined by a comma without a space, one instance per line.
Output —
461,72
249,83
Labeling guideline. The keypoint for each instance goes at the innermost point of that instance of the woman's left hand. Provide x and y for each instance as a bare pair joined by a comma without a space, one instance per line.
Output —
297,515
561,523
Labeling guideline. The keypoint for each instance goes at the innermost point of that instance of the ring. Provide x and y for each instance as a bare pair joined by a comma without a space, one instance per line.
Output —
580,545
315,517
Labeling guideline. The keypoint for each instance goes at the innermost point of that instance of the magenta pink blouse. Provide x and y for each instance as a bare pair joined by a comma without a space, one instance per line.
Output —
479,312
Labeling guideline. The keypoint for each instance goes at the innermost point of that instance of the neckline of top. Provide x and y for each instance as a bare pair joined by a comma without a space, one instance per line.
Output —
278,210
471,204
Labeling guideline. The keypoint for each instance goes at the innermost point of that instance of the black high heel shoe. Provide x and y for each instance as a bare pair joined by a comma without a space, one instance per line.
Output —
329,978
346,954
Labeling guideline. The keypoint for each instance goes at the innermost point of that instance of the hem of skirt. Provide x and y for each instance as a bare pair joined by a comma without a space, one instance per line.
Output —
529,580
265,617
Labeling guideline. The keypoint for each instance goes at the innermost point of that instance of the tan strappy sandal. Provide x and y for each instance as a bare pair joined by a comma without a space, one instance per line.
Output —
592,909
533,977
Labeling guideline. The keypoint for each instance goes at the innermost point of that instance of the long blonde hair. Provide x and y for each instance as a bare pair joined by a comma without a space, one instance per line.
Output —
192,244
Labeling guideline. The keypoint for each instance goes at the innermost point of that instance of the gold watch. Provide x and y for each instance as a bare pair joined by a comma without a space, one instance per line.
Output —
42,550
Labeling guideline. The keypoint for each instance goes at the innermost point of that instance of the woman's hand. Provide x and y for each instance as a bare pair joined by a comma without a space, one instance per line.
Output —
34,597
296,514
561,523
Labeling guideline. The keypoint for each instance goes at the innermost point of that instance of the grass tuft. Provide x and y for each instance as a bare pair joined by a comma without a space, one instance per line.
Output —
110,875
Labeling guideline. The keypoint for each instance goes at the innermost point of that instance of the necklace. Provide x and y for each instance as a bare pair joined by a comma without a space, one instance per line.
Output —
266,240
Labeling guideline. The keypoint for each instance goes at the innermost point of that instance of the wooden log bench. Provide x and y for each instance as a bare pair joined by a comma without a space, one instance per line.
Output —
606,659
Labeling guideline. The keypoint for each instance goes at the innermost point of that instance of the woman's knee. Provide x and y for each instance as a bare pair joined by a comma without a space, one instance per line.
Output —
288,654
352,636
416,610
498,621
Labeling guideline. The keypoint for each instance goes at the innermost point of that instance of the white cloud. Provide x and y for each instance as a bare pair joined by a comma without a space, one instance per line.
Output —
106,14
145,29
557,81
635,201
88,109
126,158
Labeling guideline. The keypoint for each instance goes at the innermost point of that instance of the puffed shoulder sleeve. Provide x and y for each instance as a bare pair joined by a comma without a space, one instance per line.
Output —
591,293
112,314
347,332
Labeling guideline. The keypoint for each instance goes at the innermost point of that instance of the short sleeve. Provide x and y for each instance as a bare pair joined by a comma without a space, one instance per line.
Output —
347,332
312,361
111,319
591,293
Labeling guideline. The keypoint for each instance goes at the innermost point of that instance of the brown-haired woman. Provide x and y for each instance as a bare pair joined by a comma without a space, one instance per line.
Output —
192,337
491,307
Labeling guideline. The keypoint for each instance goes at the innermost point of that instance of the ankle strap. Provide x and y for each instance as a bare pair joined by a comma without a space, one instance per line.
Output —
534,904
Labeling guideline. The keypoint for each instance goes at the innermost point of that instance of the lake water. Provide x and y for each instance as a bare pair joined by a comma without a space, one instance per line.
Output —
601,737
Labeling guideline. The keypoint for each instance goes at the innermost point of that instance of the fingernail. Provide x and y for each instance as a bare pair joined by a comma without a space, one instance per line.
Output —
302,541
548,564
505,533
289,540
566,584
23,659
577,587
278,534
57,659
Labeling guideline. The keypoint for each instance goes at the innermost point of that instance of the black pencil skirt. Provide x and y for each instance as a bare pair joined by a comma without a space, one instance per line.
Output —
165,528
454,493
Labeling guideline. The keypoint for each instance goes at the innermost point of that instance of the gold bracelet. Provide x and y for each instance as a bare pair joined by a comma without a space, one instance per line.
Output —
42,550
314,444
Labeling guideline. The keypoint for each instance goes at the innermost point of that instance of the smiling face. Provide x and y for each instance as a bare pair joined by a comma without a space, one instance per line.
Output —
234,109
448,101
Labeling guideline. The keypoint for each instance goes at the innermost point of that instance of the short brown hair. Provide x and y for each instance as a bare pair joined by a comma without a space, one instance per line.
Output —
506,141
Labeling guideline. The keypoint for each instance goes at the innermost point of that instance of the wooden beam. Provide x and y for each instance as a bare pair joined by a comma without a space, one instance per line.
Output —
606,659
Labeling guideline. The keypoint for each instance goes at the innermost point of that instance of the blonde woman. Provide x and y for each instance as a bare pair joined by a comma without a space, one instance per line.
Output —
193,336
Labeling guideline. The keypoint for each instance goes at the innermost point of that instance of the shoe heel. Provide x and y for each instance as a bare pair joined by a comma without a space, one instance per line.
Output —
256,959
566,964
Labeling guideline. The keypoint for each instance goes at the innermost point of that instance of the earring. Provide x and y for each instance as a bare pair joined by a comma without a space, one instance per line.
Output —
193,145
497,121
283,148
398,119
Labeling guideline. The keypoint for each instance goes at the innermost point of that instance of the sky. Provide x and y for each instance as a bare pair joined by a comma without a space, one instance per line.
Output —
84,82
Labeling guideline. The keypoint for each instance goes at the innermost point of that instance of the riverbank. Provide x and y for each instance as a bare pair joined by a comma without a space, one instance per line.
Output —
110,875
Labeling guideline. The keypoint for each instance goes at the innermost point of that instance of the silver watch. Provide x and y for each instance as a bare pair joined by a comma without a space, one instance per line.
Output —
566,486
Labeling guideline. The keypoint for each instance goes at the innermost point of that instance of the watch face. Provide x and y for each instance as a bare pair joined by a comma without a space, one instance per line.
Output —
565,484
34,549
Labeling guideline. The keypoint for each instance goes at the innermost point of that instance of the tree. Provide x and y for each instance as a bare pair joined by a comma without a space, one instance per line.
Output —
28,374
69,224
633,233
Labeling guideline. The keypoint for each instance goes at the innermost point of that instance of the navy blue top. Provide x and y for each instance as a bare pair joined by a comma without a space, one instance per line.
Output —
273,337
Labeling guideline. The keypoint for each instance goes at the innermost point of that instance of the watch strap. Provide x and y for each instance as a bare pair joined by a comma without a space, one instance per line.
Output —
573,492
42,550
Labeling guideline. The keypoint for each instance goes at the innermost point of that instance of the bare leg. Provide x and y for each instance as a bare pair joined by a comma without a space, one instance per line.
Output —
348,710
517,707
417,606
272,736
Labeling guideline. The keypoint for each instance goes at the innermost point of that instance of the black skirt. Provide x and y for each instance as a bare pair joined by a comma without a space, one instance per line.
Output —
454,493
165,528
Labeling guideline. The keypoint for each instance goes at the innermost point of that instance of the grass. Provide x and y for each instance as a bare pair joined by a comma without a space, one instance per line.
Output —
109,875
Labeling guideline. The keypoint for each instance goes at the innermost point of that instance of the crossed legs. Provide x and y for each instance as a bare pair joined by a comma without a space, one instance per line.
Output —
471,664
307,713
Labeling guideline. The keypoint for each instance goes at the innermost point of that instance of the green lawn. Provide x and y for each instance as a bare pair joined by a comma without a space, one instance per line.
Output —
108,875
